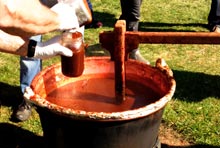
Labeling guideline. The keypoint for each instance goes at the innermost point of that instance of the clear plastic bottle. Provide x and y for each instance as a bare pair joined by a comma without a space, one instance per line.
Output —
73,66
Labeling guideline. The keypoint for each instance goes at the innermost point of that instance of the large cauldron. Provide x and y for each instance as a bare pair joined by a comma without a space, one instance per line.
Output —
82,112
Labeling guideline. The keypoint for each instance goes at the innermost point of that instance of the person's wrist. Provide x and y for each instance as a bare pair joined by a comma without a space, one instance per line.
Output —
31,48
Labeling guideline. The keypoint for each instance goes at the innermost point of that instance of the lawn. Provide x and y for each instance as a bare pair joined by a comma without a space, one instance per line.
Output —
194,111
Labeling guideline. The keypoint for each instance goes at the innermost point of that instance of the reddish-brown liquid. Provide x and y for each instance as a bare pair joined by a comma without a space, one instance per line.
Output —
98,95
74,66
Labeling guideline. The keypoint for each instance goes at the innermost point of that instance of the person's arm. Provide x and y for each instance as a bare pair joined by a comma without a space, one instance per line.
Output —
21,19
13,44
24,47
27,17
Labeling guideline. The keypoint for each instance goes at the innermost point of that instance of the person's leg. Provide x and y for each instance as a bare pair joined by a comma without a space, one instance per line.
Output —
28,69
131,14
218,8
90,4
214,16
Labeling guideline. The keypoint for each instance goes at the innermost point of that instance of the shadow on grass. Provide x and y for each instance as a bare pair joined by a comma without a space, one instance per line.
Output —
194,86
167,27
10,95
109,20
15,137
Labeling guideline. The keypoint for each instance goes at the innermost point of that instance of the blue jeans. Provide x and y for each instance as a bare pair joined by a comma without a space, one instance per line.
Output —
90,5
29,68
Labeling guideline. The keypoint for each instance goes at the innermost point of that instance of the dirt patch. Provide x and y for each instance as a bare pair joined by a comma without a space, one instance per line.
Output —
170,138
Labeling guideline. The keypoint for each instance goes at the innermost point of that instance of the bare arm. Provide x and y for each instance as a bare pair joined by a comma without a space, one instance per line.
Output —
21,19
18,17
13,44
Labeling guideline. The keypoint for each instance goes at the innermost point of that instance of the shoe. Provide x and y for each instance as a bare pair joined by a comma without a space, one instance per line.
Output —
136,55
216,29
98,24
214,26
23,112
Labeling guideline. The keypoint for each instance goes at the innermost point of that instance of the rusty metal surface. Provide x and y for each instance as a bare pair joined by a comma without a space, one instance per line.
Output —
65,127
137,128
159,78
133,39
119,62
51,78
173,37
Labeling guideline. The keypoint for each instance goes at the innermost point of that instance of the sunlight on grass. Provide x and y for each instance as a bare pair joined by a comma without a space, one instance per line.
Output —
191,117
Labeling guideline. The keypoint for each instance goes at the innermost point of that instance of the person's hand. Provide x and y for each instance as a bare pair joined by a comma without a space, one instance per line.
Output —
67,16
52,47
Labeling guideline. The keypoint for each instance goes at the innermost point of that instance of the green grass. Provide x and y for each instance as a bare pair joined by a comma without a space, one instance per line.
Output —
194,111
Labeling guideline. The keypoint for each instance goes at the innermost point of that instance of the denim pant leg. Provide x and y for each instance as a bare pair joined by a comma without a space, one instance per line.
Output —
90,4
29,68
